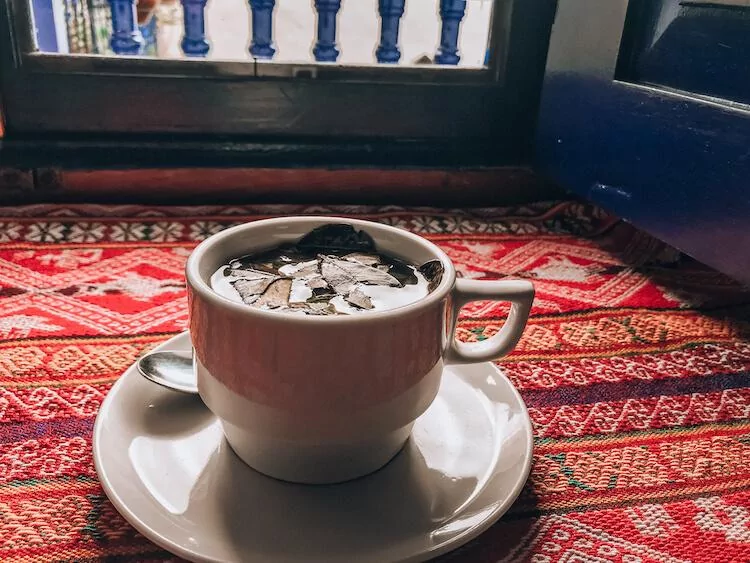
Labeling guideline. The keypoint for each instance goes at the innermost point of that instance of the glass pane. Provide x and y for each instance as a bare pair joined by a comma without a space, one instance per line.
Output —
696,46
351,32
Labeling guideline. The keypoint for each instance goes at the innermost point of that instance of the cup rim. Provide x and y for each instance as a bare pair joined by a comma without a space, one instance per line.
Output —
196,282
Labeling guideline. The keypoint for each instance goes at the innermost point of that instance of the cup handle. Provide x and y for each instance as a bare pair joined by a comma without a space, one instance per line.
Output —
520,293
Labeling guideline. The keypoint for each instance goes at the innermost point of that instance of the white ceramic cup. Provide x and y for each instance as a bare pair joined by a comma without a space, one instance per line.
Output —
323,399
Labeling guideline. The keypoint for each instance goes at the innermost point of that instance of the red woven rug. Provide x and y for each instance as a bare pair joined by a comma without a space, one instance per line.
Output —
634,367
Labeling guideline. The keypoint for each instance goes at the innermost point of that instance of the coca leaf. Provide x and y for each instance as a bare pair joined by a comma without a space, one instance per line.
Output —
279,256
251,274
359,299
336,237
321,308
317,282
251,289
276,295
402,272
433,273
303,269
320,294
342,275
246,269
362,258
266,267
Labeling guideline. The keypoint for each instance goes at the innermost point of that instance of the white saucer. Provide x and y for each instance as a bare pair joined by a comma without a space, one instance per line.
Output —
163,462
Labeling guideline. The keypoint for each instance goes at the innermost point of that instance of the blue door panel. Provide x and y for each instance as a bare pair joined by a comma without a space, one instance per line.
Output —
673,164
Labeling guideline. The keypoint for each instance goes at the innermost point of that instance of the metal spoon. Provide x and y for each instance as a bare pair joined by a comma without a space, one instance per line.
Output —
170,369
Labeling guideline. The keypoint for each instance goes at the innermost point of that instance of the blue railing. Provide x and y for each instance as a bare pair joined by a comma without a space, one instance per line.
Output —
127,38
194,42
390,20
261,45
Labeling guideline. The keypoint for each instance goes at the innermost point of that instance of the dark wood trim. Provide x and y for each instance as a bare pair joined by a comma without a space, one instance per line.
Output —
464,188
54,103
16,183
160,151
251,71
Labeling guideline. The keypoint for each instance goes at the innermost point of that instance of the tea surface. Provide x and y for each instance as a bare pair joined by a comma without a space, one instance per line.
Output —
333,270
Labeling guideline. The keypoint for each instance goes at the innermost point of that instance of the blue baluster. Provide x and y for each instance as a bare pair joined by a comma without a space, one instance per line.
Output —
325,49
451,12
126,37
194,43
262,46
390,19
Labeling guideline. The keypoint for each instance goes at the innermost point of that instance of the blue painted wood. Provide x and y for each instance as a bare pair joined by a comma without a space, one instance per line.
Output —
696,48
676,167
194,42
126,36
261,45
451,14
325,49
46,30
673,164
390,12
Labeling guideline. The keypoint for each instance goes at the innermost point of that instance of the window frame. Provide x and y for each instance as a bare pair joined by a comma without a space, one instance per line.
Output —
226,113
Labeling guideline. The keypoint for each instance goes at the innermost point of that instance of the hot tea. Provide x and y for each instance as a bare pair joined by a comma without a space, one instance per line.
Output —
332,270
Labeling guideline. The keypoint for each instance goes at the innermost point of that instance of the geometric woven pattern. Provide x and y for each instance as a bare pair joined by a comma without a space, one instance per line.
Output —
635,366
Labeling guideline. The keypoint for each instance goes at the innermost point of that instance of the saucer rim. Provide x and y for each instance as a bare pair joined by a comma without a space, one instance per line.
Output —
184,552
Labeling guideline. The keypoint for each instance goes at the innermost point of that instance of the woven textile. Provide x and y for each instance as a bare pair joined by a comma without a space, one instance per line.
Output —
634,367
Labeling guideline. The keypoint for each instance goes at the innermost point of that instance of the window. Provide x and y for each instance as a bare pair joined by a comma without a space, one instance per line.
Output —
72,88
